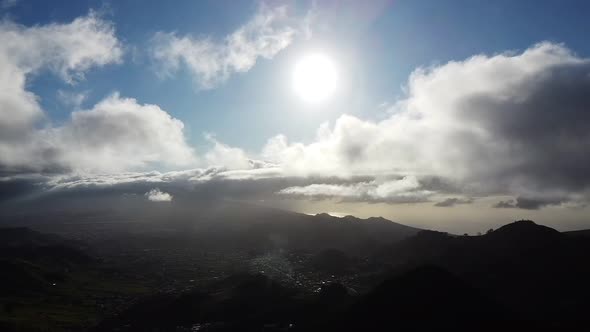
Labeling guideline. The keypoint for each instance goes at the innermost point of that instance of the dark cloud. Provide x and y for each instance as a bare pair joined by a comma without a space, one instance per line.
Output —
14,188
510,204
528,203
185,186
544,129
450,202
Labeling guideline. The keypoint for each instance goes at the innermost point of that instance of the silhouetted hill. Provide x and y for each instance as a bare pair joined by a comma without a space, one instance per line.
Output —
32,261
265,228
48,283
333,261
425,299
22,236
534,270
226,223
524,233
580,233
28,245
322,273
239,303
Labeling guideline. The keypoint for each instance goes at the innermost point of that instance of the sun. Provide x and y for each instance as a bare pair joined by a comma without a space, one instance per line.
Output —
315,78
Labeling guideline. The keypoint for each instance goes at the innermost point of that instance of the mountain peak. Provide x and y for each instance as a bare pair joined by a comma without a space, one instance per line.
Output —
525,231
525,226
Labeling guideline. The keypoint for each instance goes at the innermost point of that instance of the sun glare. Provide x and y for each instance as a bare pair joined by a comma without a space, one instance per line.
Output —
315,78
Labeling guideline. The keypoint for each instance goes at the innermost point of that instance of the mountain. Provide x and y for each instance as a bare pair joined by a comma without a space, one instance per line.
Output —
22,236
213,223
32,261
580,233
523,234
421,299
242,302
535,271
426,298
255,268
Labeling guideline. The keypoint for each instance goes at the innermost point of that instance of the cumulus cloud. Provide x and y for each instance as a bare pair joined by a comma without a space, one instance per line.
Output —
65,49
511,123
156,195
118,134
114,135
222,155
68,50
212,62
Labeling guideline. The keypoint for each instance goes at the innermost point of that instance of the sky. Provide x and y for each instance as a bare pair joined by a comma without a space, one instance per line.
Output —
439,113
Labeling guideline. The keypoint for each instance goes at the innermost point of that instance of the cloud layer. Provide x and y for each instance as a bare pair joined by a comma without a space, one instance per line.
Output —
212,62
404,190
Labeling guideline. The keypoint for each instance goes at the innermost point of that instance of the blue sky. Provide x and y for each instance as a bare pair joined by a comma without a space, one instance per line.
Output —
377,46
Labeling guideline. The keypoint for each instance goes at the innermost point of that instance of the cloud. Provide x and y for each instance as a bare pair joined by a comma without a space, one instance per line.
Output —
529,203
511,123
72,99
118,134
508,124
213,62
450,202
222,155
68,50
156,195
405,190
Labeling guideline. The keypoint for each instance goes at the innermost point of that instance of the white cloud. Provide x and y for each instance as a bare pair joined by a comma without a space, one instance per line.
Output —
186,178
65,49
156,195
212,62
118,134
222,155
72,99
